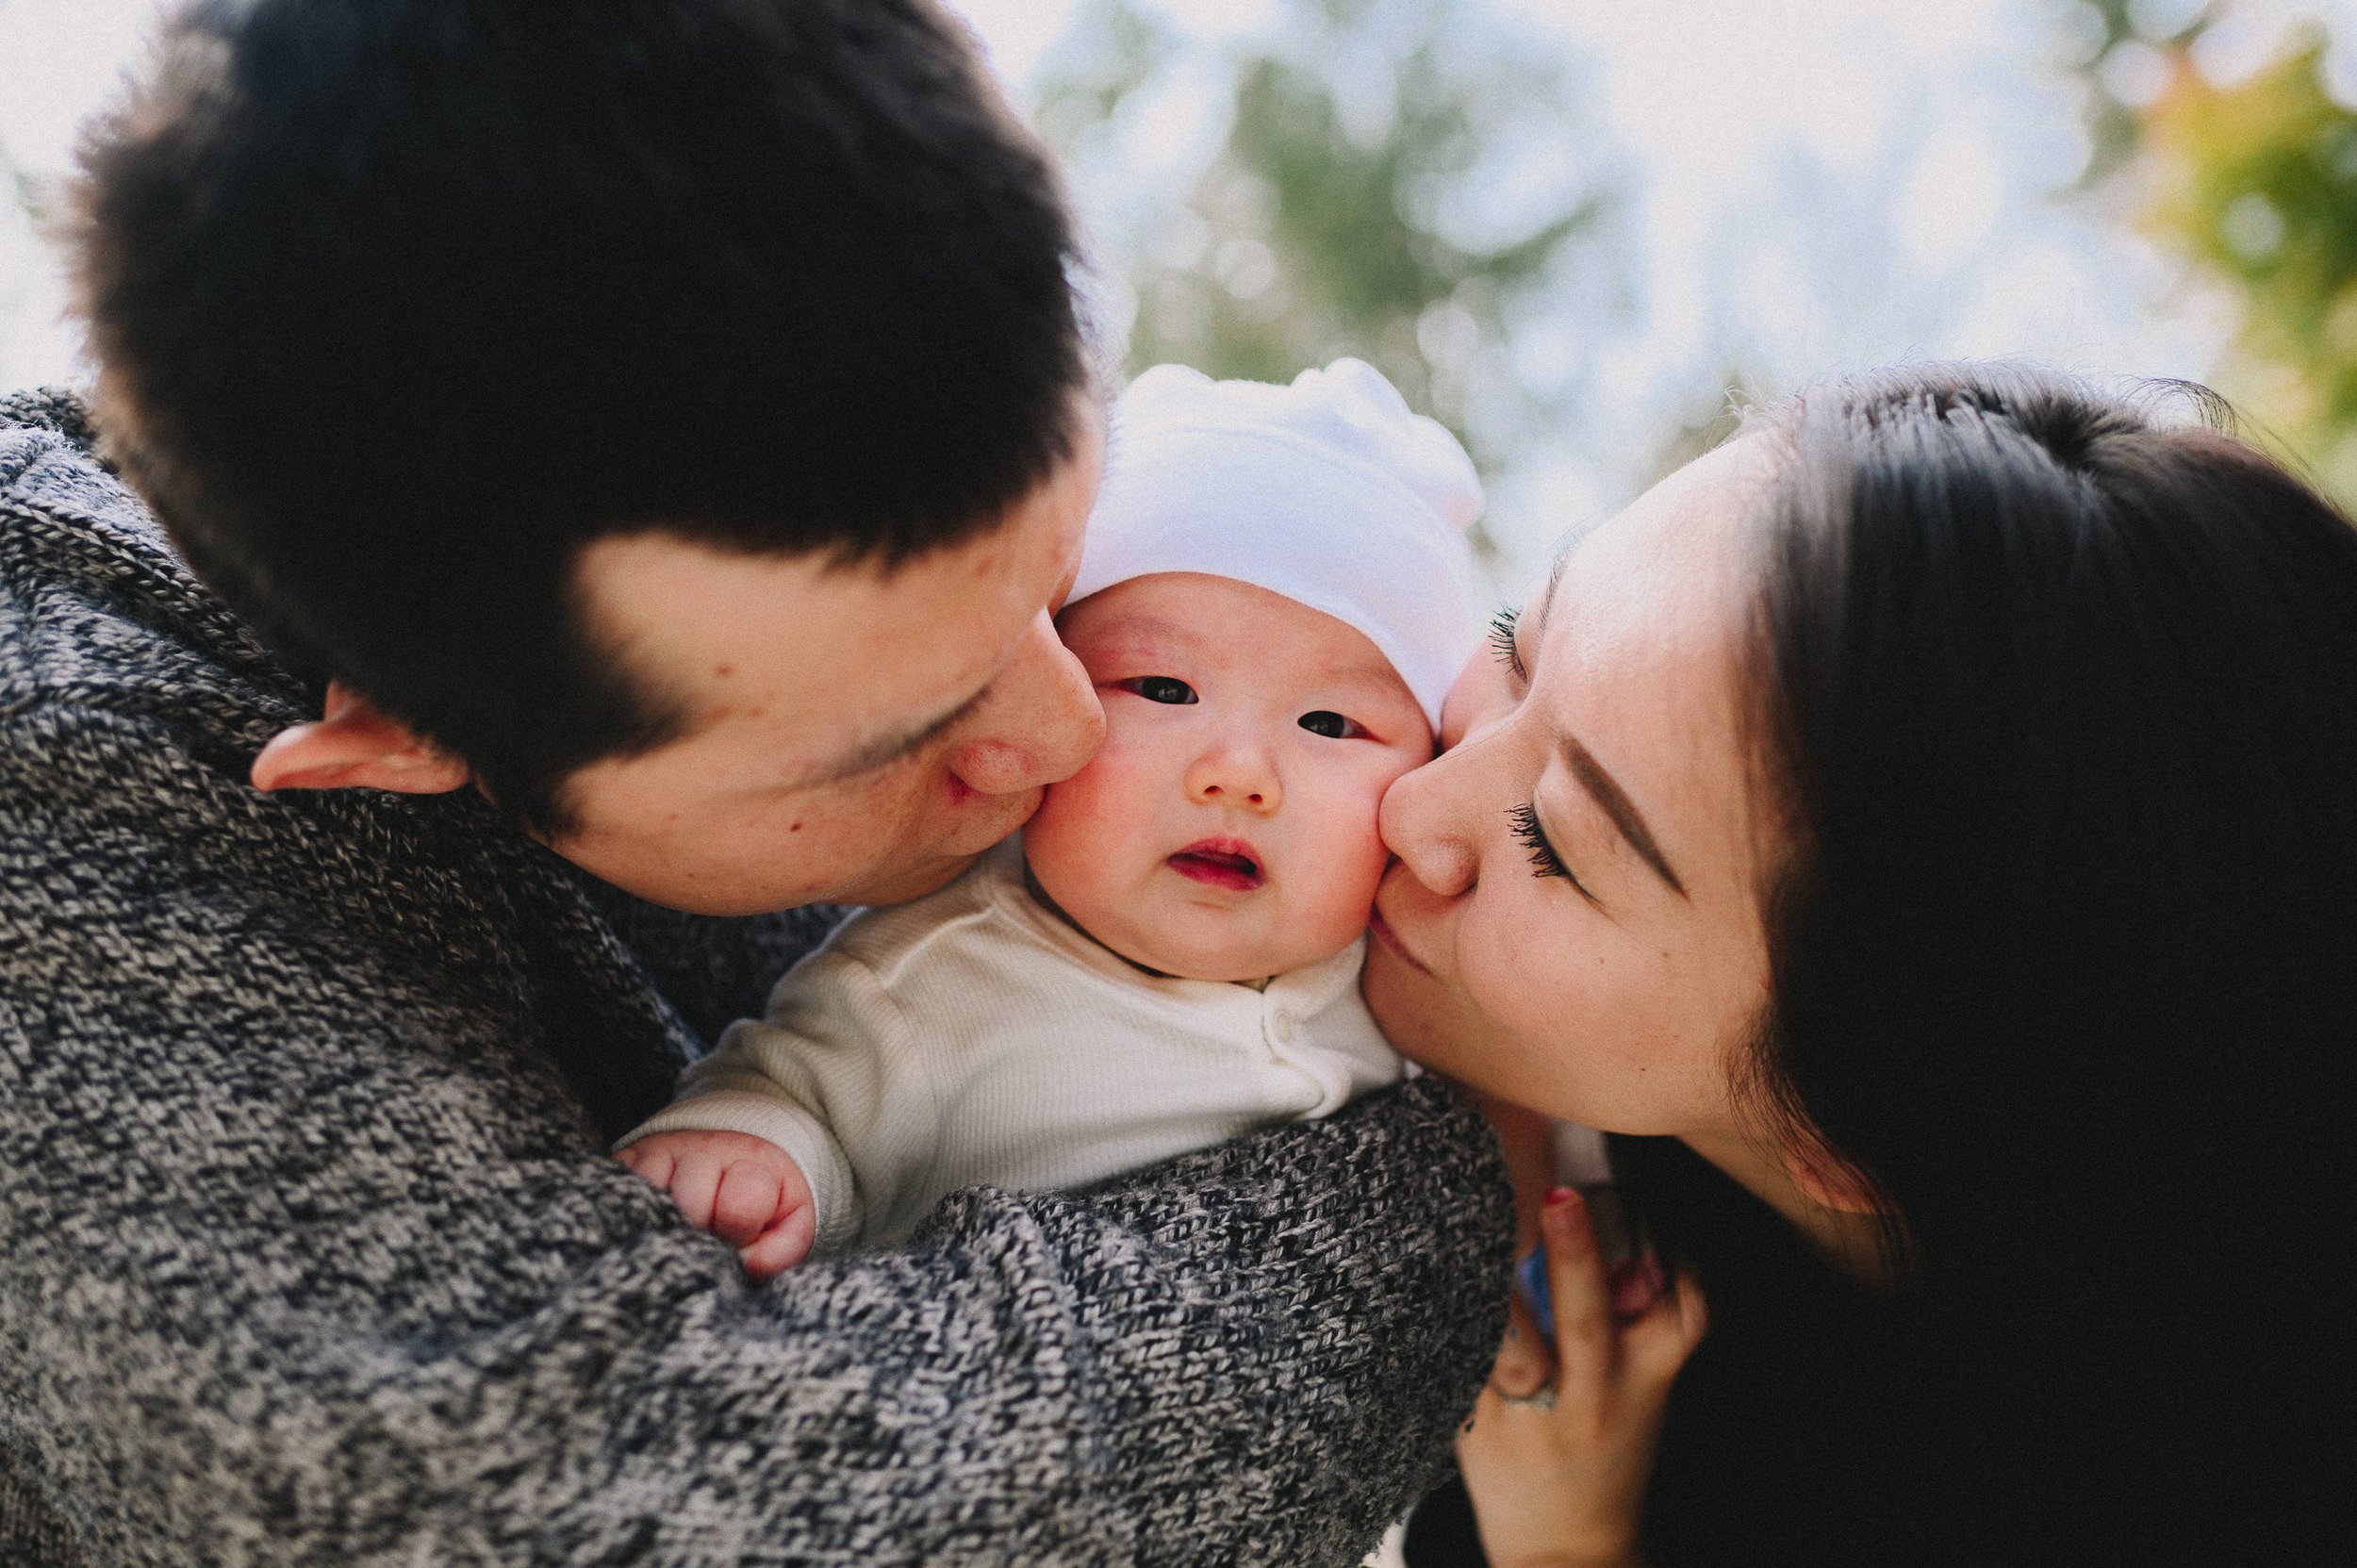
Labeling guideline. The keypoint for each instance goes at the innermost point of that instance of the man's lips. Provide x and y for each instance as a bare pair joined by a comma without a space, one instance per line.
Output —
1228,863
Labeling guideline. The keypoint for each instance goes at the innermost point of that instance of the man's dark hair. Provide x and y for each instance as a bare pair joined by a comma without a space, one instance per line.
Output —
402,303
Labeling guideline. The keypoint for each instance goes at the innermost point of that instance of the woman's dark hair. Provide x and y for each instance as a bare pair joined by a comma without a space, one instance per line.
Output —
400,303
2059,692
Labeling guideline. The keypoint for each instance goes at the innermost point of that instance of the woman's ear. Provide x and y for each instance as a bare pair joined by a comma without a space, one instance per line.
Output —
355,746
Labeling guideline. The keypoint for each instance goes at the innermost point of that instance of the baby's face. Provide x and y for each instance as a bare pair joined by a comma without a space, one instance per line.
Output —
1227,829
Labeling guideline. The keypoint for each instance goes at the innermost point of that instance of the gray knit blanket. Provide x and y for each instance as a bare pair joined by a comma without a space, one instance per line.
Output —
311,1252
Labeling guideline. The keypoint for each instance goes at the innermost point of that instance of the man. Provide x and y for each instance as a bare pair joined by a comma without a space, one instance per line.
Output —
615,462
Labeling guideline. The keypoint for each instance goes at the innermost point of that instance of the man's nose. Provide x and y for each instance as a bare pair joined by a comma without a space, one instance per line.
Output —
1235,771
1040,724
1425,820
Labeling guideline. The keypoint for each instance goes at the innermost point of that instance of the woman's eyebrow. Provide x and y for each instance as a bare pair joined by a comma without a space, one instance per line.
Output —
1546,600
1615,803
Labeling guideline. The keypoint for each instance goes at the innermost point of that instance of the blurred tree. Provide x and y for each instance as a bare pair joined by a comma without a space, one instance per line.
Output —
1111,50
1403,180
2254,180
2104,36
2258,182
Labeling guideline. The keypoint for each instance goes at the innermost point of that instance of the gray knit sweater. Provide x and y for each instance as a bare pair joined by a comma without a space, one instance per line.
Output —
310,1250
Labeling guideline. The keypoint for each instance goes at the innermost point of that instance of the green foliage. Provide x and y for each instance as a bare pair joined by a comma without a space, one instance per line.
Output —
2258,182
1115,50
1343,213
2111,124
2255,184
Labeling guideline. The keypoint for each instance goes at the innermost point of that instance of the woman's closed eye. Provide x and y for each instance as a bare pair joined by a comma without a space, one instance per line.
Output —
1544,862
1160,688
1503,627
1332,725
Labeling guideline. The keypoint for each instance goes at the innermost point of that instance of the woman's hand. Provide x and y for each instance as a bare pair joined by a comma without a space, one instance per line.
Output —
1556,1469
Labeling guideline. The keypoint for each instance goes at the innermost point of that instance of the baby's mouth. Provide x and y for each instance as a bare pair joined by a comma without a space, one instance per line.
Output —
1228,863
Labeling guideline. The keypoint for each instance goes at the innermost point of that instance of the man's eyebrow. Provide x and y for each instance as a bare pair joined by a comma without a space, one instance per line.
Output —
872,754
1614,802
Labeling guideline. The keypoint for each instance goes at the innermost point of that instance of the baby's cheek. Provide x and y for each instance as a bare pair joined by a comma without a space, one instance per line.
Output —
1094,803
1351,858
1064,841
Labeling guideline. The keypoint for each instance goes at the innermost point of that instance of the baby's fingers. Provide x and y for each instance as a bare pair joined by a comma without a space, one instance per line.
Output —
783,1245
747,1199
653,1161
693,1184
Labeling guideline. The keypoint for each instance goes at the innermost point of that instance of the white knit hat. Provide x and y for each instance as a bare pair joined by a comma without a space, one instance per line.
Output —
1328,492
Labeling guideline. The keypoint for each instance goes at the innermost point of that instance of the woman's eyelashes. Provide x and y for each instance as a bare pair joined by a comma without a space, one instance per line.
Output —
1503,626
1160,688
1544,862
1332,725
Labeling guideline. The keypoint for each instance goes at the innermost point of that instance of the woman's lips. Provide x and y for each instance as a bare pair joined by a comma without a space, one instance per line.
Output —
1228,863
1381,931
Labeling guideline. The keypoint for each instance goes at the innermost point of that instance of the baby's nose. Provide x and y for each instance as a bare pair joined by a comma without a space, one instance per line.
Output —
1239,777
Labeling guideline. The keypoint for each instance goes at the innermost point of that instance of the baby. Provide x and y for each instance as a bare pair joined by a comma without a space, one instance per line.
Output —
1273,596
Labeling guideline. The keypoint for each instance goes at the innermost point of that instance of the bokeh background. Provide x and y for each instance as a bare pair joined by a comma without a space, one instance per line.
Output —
1581,232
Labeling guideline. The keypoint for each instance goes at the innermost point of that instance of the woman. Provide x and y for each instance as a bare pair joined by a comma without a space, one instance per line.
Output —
1929,825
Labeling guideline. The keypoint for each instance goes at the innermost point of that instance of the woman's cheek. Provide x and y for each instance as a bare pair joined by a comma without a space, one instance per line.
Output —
1517,960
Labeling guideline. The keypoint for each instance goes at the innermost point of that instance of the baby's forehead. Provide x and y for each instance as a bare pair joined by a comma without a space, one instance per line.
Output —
1222,620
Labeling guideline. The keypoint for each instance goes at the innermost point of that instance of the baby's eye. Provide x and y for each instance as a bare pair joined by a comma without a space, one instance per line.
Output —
1160,688
1331,725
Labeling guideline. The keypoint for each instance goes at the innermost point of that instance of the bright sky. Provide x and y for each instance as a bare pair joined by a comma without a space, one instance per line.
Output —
1818,184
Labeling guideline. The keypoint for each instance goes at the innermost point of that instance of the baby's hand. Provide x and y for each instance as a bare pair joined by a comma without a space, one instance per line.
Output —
745,1190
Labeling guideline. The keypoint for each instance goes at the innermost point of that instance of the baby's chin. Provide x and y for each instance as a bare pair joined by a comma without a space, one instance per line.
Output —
1228,961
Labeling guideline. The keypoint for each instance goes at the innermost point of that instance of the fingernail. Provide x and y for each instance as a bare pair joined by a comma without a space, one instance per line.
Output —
1558,1197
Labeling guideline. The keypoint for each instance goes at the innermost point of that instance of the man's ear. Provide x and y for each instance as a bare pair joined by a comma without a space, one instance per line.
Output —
355,747
1828,1181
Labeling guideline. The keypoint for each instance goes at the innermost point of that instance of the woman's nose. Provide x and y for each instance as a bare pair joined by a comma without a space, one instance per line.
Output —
1237,773
1424,821
1040,724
